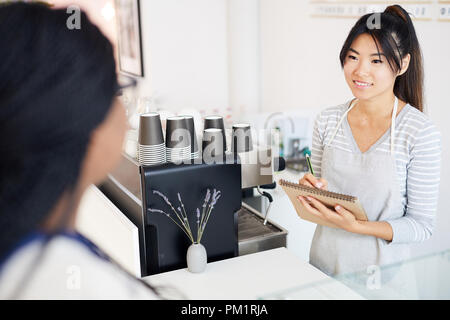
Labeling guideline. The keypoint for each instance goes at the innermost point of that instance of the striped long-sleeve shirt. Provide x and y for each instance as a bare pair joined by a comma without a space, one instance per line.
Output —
417,145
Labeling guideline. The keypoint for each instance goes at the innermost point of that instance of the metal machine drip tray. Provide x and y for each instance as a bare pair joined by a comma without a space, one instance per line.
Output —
251,225
254,236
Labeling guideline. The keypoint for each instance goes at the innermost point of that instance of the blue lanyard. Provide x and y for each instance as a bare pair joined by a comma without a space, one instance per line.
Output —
38,236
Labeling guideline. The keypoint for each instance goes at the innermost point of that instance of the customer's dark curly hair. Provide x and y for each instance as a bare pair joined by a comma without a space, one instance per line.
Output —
56,87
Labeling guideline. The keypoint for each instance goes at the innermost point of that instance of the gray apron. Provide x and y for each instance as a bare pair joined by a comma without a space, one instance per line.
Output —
371,177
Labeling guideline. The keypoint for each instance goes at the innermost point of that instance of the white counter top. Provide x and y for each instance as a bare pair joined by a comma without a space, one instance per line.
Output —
252,276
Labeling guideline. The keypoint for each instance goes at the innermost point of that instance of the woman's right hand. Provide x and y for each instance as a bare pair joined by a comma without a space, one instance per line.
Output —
309,180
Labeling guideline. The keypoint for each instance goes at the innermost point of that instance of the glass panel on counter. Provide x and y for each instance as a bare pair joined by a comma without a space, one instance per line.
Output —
426,277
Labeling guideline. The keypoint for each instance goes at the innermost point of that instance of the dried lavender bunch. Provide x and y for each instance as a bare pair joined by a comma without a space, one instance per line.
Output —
207,211
168,215
202,219
183,220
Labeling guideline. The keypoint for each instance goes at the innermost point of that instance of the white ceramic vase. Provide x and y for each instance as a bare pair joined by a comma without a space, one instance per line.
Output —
196,258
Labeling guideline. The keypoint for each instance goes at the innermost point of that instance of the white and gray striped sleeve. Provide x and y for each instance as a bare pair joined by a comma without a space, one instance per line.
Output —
317,145
422,185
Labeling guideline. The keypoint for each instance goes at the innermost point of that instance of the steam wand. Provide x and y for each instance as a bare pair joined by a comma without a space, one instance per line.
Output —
269,197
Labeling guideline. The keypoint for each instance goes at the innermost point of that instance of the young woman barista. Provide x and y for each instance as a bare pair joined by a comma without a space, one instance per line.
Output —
379,147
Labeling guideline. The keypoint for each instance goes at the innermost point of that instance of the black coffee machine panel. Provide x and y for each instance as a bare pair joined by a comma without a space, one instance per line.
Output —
166,244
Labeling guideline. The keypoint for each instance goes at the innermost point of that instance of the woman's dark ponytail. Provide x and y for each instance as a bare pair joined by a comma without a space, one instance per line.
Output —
409,86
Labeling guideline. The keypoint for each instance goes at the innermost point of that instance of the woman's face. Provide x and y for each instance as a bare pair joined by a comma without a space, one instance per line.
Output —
106,144
367,74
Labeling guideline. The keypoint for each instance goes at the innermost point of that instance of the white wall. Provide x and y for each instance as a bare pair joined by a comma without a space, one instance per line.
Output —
101,13
244,53
300,57
185,53
301,71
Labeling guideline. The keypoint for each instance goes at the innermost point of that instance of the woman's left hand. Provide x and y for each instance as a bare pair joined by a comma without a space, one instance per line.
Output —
340,217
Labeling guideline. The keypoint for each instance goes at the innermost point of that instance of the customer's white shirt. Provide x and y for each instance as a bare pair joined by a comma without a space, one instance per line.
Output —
69,269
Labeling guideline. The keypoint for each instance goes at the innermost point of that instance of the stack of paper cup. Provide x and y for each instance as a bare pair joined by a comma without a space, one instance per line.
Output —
178,139
193,137
151,147
215,121
241,138
212,143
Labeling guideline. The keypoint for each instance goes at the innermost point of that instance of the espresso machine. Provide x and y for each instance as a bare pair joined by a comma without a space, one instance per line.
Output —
186,188
145,193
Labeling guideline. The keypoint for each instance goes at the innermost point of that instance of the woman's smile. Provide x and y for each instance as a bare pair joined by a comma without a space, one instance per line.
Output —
362,84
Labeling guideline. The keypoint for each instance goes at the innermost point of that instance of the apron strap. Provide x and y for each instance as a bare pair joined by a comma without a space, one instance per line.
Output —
394,114
340,121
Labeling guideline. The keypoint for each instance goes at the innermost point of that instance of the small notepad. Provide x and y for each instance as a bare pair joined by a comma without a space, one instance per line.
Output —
328,198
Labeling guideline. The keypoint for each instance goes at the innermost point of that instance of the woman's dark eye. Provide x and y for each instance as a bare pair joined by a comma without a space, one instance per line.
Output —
352,57
377,61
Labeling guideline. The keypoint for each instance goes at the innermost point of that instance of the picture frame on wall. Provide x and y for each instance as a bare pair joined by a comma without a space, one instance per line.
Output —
129,37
